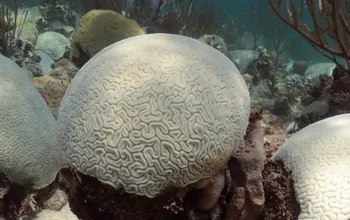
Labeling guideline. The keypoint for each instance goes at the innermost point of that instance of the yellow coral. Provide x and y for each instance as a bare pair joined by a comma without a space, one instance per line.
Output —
100,28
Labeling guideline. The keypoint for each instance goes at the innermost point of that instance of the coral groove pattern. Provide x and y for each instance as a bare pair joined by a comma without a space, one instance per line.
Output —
152,112
29,153
319,159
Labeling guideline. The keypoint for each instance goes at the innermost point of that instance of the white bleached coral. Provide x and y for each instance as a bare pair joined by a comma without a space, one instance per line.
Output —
29,153
319,159
152,112
54,44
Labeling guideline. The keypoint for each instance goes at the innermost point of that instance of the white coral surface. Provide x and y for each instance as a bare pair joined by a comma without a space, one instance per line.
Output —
152,112
319,159
52,43
29,153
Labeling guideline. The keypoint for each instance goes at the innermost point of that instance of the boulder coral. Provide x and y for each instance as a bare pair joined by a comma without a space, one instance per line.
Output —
54,44
98,29
154,113
318,158
29,153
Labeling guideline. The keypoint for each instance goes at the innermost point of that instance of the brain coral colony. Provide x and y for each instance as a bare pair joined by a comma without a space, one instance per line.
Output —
29,156
320,172
151,117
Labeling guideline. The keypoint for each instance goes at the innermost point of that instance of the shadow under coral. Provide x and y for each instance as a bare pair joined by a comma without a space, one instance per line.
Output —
17,201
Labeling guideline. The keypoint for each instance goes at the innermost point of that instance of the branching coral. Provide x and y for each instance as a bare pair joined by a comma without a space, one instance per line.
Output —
331,21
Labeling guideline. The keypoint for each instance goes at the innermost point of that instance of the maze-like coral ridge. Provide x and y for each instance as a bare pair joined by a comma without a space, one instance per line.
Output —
319,158
152,112
29,154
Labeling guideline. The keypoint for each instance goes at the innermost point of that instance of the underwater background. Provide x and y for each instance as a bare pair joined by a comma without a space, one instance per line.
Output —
291,59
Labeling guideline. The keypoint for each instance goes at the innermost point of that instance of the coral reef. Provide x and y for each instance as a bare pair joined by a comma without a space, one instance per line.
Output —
26,31
24,56
189,159
56,17
90,37
215,41
243,190
63,69
54,44
299,67
264,69
330,96
30,159
30,156
295,81
314,155
244,58
8,29
269,85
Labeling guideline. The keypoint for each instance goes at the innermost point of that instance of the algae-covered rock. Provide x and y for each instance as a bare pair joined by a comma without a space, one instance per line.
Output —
214,41
98,29
51,89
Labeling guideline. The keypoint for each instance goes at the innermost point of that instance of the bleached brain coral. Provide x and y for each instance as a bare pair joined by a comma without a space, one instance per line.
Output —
29,153
53,44
319,159
152,112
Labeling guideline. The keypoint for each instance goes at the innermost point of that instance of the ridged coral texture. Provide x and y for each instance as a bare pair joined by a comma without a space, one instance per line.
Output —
152,112
29,153
319,158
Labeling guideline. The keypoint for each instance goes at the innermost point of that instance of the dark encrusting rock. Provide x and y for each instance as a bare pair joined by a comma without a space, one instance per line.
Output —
90,199
12,197
280,202
17,201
